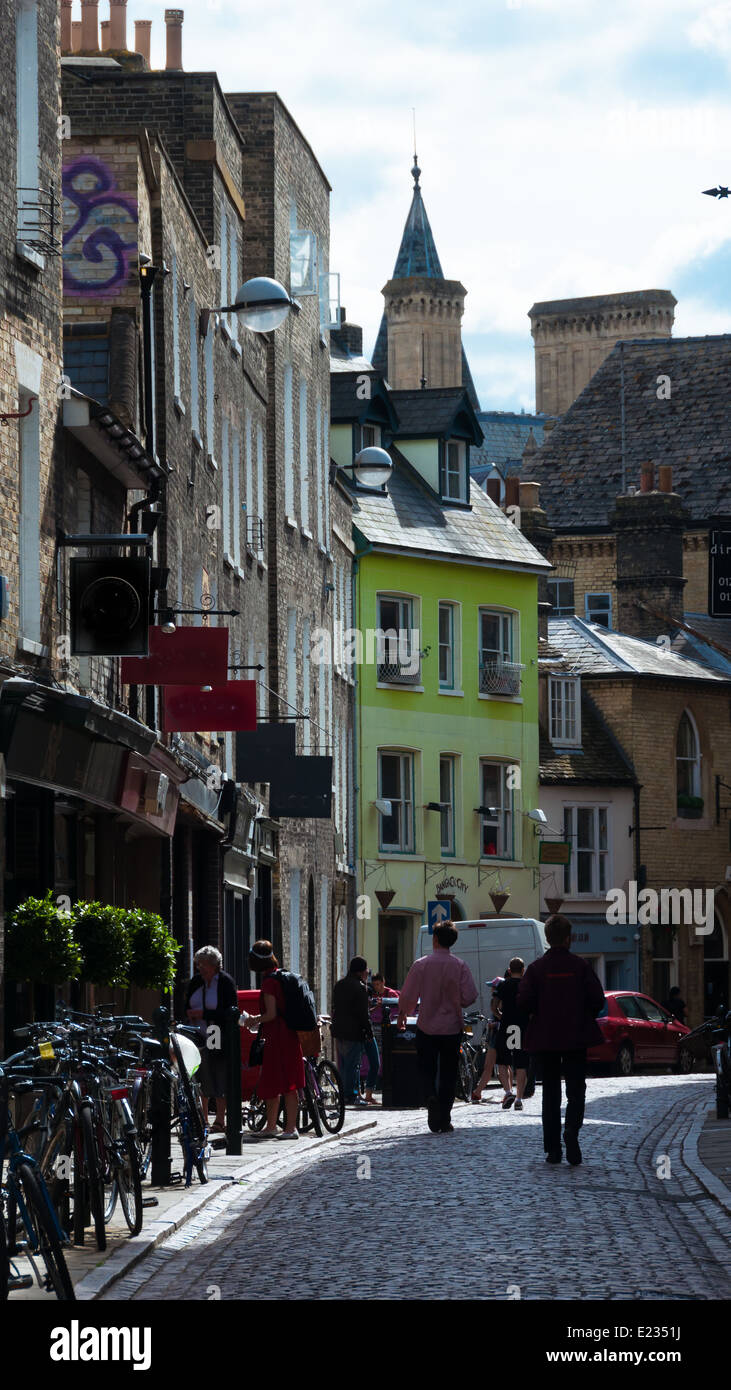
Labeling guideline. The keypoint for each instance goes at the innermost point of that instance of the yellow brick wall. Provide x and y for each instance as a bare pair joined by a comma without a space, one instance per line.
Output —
596,568
644,714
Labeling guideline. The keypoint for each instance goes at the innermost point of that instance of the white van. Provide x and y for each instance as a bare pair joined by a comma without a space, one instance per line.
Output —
488,946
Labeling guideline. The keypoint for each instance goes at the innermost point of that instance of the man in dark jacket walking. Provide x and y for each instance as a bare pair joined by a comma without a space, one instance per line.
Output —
563,996
351,1025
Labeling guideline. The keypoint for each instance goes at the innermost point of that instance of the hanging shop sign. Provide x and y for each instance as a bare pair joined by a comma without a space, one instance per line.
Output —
223,708
178,658
305,791
719,574
264,754
554,852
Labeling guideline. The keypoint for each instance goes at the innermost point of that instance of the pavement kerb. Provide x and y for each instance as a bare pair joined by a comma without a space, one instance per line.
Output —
126,1256
693,1161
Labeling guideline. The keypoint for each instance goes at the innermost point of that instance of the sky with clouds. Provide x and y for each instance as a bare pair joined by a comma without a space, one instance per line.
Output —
563,144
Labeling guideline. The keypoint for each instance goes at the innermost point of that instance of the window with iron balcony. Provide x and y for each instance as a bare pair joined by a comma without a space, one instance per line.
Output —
500,674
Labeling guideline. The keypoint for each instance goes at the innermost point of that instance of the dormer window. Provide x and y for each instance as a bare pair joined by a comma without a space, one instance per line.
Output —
454,471
564,695
370,437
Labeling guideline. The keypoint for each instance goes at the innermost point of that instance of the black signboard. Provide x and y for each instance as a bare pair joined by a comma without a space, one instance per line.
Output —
263,754
305,789
719,573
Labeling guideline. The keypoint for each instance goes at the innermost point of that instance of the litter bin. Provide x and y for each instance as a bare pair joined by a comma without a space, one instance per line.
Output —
401,1082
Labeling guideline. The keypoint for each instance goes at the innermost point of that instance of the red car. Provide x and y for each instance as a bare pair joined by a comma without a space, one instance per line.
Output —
637,1030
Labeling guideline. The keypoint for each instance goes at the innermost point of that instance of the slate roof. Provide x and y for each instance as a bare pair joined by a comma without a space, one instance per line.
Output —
432,412
346,404
408,518
601,759
594,651
506,435
579,465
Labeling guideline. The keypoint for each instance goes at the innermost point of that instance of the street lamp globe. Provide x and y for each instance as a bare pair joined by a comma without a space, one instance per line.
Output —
372,467
263,304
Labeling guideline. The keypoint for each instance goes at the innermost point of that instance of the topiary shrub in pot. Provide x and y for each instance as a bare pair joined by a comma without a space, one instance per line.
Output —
102,934
152,950
40,945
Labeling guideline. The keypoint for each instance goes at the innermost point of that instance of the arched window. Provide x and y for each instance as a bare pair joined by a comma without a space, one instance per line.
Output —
688,767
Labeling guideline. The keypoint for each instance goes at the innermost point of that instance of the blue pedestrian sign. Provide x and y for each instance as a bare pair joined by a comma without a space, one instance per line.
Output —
437,911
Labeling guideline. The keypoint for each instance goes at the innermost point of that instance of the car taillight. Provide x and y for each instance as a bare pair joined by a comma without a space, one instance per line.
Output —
119,1093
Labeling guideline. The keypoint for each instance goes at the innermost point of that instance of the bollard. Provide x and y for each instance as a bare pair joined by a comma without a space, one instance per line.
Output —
232,1044
160,1108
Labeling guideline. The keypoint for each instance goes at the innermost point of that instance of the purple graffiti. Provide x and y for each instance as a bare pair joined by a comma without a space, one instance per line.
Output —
96,244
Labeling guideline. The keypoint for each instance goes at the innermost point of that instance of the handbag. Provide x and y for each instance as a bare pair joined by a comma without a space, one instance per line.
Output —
256,1052
310,1042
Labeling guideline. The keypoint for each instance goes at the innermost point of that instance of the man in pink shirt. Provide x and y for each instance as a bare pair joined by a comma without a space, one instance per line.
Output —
442,986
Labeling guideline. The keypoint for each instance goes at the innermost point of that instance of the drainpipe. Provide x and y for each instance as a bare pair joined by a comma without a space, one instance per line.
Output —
147,280
357,836
638,859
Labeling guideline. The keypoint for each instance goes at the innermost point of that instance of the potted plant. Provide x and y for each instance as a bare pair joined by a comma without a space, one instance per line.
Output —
40,945
152,950
689,807
103,939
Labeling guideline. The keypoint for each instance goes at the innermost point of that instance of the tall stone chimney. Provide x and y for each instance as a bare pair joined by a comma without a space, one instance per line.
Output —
118,25
76,36
105,27
66,26
424,319
143,29
174,29
649,528
90,26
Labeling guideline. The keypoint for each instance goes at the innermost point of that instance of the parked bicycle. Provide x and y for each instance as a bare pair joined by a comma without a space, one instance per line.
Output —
29,1225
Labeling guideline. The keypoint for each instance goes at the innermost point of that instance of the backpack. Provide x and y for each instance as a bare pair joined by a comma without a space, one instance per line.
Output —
300,1013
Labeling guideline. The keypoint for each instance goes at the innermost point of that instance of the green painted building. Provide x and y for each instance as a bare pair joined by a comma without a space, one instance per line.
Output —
443,649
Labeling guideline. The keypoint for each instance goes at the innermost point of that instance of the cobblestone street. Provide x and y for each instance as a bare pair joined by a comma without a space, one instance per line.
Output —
399,1213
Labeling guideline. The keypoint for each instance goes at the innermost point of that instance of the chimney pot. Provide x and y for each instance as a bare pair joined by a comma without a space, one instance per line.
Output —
118,25
665,473
90,26
105,44
492,488
174,32
143,29
66,26
529,495
647,477
75,35
512,492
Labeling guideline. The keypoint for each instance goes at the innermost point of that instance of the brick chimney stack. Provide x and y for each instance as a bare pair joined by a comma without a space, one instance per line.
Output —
143,28
75,35
65,26
118,25
105,26
649,527
537,529
348,336
174,28
90,26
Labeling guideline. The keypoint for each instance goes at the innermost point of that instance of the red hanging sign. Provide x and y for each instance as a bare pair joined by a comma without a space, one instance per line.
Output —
188,709
176,658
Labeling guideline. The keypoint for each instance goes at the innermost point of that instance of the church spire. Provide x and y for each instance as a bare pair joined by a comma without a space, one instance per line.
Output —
417,253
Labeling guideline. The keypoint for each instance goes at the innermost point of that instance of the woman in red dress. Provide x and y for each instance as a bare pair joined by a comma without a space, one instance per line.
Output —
283,1069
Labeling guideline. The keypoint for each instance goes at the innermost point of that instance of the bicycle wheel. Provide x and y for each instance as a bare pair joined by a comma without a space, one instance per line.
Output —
43,1240
4,1260
56,1167
465,1077
141,1118
93,1176
331,1097
198,1120
311,1101
129,1183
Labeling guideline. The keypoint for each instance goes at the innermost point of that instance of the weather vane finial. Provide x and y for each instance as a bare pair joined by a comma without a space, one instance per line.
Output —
416,170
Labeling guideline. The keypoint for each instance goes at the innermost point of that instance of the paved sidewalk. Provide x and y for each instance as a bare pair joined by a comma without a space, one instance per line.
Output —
260,1164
